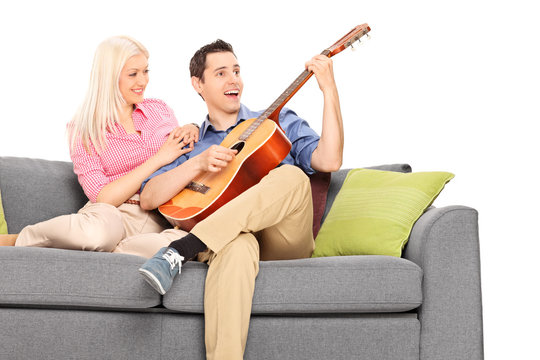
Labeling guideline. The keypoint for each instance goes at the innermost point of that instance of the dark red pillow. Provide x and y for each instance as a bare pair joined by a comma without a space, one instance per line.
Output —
319,189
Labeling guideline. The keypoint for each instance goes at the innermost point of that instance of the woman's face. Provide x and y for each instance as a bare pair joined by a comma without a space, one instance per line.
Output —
133,79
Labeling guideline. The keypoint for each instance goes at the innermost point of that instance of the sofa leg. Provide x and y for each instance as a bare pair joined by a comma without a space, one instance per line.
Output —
8,239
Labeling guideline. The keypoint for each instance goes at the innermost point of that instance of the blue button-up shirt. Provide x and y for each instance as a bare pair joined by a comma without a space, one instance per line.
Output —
303,138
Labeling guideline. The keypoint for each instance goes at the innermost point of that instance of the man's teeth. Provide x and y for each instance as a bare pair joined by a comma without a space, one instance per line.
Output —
232,92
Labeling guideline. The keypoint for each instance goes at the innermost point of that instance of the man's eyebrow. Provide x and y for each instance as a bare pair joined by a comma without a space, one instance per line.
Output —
220,68
224,67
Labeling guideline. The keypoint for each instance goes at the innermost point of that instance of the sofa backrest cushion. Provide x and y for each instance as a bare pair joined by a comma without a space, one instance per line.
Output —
320,181
34,190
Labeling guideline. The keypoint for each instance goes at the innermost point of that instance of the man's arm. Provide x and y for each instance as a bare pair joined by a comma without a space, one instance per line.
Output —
328,156
165,186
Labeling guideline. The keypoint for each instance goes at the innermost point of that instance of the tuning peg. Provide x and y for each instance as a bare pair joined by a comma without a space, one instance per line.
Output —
368,37
353,48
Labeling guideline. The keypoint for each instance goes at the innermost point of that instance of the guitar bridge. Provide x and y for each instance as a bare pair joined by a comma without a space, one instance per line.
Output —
198,187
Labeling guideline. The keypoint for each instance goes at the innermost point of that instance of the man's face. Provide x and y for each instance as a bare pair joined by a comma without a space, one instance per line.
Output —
222,86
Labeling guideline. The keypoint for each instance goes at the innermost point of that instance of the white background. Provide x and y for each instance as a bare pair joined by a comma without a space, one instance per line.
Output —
450,86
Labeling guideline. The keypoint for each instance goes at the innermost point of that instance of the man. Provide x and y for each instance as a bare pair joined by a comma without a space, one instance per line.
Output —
270,221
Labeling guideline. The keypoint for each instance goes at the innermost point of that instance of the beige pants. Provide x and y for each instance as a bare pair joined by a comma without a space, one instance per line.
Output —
273,220
102,227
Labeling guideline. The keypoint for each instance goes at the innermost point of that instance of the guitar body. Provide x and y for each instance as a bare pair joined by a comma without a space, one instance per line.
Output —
265,148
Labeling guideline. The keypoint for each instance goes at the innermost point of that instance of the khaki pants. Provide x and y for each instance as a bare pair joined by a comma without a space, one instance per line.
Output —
271,221
102,227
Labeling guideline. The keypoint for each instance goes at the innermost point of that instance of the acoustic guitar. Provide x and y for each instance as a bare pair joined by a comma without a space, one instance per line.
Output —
261,146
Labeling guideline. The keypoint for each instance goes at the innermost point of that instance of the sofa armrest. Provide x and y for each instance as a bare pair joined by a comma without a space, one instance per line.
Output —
444,243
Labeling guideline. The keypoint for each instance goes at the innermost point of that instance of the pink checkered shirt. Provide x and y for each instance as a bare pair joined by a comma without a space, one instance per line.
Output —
124,152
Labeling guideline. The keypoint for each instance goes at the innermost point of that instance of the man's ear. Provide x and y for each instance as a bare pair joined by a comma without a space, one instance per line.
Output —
196,83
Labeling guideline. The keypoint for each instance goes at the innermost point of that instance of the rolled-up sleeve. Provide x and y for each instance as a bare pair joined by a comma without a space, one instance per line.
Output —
89,170
303,138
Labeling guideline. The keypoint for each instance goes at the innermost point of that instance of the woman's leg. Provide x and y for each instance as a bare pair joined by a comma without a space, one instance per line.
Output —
146,231
96,227
146,245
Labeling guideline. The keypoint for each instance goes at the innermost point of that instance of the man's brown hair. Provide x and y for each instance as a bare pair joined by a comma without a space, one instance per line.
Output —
198,61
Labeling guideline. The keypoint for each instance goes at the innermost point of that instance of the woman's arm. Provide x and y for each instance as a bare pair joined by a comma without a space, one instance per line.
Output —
118,191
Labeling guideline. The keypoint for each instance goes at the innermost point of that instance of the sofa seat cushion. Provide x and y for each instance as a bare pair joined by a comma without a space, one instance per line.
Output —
42,276
343,284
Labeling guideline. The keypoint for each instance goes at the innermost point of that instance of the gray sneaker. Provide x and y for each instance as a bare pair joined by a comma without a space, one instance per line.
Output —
160,270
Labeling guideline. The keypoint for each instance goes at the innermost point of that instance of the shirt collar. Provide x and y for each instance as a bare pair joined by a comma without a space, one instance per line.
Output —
243,114
142,108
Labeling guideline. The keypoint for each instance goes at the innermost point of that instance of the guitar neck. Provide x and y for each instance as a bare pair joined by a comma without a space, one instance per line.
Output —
273,110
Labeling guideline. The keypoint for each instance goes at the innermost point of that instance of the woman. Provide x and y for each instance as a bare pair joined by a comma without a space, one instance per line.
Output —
117,139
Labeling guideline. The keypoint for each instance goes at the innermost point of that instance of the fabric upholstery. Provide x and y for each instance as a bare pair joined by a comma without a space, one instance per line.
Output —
50,189
79,334
84,334
73,278
376,337
444,242
323,337
353,284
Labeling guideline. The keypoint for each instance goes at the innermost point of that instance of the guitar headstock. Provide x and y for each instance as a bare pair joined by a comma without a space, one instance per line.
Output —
347,40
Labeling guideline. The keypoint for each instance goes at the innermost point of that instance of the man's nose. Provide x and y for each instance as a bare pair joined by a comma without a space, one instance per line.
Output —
232,78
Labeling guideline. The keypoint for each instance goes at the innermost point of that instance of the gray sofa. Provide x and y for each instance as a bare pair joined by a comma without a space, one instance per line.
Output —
62,304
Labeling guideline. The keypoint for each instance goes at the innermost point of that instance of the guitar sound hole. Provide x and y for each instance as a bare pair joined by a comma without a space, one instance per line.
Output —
238,146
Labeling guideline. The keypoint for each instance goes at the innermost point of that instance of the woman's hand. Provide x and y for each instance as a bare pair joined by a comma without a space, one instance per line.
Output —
189,133
175,145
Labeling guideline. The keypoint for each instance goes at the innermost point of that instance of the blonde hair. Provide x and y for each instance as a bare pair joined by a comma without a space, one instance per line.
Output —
99,111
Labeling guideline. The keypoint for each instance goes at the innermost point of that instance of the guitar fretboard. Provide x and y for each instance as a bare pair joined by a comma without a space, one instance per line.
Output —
280,101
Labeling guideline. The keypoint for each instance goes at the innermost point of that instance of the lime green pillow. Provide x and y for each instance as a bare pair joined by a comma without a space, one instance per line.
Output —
375,210
3,224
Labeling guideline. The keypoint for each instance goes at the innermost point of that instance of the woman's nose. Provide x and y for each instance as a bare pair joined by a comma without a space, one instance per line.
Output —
142,79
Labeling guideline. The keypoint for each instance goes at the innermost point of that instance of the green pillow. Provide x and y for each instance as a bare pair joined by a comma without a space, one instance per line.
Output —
3,224
375,210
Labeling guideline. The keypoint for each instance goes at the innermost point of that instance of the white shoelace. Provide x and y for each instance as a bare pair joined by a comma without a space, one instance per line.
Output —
173,258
